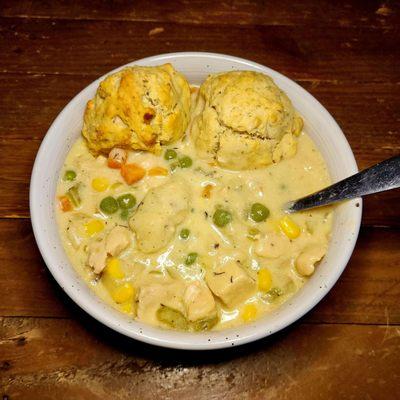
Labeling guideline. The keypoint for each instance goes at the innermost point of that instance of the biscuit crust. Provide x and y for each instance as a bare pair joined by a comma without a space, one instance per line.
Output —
241,119
139,108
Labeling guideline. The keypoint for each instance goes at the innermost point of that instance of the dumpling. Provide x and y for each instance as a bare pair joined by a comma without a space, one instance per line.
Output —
139,108
162,209
244,121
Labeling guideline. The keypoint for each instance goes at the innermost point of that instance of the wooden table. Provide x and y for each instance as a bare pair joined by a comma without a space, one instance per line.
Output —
346,54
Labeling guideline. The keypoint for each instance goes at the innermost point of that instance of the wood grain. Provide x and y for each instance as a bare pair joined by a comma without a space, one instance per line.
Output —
237,12
26,286
41,359
368,291
95,47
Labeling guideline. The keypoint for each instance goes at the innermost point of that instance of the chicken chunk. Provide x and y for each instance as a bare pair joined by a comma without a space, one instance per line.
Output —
230,283
74,235
117,240
75,230
305,262
199,302
97,256
153,296
156,218
272,245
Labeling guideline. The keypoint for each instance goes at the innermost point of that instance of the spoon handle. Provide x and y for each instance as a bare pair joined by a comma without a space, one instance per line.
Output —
378,178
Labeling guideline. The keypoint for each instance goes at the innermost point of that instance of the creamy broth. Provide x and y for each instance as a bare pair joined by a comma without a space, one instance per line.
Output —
242,246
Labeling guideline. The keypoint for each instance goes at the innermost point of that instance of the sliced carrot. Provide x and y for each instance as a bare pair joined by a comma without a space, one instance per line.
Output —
65,203
157,171
207,191
132,173
114,164
116,158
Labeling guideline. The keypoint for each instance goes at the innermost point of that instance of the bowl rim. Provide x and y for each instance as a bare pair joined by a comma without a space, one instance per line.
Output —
161,337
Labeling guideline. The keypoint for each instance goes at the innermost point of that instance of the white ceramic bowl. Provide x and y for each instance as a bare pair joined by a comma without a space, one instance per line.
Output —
195,66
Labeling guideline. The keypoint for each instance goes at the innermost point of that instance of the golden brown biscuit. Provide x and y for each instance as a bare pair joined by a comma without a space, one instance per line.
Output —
243,121
139,108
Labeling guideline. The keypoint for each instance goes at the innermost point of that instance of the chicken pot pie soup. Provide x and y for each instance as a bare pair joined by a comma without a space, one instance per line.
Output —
193,237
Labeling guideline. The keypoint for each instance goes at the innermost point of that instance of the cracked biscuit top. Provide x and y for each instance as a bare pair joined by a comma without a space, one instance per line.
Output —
242,120
138,108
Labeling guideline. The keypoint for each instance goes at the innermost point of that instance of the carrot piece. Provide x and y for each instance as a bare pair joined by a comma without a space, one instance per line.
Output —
157,171
207,191
114,164
116,158
132,173
65,203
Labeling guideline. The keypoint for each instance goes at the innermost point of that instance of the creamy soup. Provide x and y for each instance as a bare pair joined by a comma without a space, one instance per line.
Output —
189,245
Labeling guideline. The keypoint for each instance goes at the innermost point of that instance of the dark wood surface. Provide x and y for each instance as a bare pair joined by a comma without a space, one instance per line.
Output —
346,54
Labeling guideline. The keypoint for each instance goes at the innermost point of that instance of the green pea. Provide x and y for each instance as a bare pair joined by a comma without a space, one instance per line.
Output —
69,175
109,205
191,258
125,214
222,217
170,154
126,201
258,212
184,234
185,162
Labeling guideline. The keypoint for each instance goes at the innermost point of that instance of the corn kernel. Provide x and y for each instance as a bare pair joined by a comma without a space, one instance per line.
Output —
93,226
249,312
264,280
157,171
113,269
289,227
127,307
123,293
100,184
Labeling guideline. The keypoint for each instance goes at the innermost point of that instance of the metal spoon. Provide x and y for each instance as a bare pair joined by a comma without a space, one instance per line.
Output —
378,178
